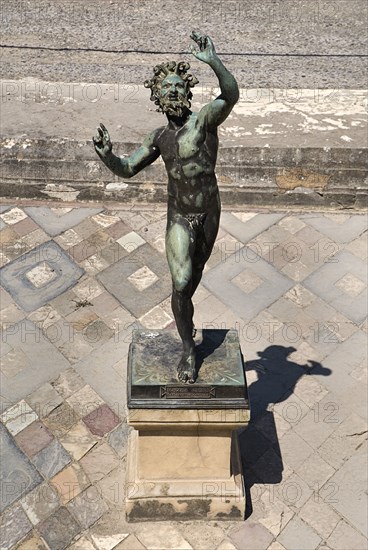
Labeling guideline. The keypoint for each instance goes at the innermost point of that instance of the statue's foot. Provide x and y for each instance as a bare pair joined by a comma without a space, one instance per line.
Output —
187,369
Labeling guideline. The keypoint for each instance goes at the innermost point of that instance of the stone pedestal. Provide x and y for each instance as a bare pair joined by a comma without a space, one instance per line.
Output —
183,455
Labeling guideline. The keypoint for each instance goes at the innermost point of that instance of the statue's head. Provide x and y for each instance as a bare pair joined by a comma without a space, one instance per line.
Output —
170,87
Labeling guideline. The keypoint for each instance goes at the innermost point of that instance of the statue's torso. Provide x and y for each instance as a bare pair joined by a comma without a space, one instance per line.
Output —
189,154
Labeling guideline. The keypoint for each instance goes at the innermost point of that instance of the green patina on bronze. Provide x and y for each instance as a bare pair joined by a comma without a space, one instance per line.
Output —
188,145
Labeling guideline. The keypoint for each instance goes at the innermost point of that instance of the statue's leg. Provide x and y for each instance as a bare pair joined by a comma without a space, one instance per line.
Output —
179,252
205,240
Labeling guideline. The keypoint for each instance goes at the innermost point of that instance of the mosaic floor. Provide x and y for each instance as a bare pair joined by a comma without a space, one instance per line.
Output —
77,281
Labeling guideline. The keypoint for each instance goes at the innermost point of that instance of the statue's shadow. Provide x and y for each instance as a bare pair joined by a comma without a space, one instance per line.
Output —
259,445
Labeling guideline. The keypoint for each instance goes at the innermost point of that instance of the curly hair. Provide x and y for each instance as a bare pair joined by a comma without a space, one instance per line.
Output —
162,71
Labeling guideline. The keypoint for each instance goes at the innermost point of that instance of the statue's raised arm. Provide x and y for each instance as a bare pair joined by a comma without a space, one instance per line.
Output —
218,110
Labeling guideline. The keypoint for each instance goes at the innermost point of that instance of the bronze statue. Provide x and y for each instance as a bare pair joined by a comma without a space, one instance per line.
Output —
188,145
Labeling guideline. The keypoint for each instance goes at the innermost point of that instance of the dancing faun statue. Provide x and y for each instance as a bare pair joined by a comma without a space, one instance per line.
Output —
188,145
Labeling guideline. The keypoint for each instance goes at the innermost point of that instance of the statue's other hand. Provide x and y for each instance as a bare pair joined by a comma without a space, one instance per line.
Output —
102,141
206,51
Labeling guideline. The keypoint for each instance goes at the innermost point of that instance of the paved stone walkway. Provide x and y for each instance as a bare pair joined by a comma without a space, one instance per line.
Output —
76,281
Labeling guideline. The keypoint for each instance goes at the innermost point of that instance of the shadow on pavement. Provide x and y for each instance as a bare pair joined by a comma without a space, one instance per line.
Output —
259,445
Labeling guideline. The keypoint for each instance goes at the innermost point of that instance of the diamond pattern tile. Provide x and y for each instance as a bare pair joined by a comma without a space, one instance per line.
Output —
350,284
246,227
143,278
49,257
328,280
41,275
56,220
116,280
131,241
247,305
247,281
308,393
339,230
45,361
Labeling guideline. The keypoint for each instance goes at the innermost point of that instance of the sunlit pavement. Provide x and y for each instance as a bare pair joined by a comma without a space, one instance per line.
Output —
76,282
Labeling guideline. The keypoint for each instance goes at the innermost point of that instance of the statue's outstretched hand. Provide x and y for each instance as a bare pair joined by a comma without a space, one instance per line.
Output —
102,142
206,52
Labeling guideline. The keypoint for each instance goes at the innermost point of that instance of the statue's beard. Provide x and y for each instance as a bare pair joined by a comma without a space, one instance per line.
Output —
174,107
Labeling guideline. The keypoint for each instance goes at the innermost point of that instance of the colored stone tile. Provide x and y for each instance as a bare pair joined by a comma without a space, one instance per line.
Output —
93,264
88,289
351,285
132,543
320,516
51,459
250,536
24,227
85,400
13,527
157,318
74,349
34,438
344,536
247,281
106,218
104,303
118,439
44,317
349,485
70,482
13,216
101,421
14,362
35,238
62,419
32,542
81,318
82,544
30,297
87,507
18,417
99,462
108,542
68,383
40,503
11,315
143,278
97,333
59,529
40,275
118,230
163,536
44,400
78,441
297,531
131,241
18,475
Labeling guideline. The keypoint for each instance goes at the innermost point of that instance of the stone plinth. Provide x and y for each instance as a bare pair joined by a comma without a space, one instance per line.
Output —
183,455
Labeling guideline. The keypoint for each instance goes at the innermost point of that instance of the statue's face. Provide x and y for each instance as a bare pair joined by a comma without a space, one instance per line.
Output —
173,95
